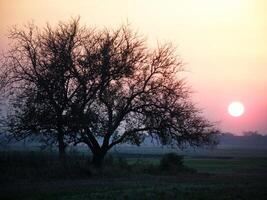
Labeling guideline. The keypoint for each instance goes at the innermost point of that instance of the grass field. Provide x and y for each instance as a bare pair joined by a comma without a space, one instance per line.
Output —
216,177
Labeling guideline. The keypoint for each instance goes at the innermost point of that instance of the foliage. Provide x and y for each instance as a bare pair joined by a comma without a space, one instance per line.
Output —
73,85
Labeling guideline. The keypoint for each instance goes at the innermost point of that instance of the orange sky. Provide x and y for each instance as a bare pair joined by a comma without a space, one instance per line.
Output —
223,42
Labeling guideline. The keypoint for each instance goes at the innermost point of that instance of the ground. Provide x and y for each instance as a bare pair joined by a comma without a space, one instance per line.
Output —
215,177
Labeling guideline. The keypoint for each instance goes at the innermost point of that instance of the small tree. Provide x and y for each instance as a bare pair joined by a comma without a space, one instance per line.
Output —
101,88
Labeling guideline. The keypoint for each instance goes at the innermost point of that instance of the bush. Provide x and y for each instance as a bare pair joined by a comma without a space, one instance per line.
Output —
171,162
112,167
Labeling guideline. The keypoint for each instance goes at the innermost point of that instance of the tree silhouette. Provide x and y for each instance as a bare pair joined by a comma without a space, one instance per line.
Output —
101,88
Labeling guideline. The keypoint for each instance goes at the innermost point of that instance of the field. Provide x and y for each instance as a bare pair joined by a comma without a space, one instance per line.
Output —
133,175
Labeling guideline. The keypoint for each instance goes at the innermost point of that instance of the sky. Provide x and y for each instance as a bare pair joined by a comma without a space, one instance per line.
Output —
222,42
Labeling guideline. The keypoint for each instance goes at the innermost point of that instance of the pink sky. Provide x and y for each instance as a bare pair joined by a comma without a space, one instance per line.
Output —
223,42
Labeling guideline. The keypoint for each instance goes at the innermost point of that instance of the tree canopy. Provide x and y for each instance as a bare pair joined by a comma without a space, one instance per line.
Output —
74,84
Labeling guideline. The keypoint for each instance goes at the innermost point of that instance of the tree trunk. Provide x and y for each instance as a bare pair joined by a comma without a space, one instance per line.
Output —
61,147
98,158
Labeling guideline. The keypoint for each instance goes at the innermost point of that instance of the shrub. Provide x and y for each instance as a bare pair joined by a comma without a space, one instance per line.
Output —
171,162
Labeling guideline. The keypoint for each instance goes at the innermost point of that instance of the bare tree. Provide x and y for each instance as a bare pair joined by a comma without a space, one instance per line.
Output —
102,88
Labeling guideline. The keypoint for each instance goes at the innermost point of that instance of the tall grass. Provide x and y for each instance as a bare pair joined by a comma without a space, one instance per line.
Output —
46,166
37,165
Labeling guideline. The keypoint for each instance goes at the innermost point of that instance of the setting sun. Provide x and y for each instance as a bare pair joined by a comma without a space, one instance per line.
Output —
236,109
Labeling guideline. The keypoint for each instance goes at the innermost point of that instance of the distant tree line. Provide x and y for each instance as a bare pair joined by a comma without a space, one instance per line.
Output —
70,84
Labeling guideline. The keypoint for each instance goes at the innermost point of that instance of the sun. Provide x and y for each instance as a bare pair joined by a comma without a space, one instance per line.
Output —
236,109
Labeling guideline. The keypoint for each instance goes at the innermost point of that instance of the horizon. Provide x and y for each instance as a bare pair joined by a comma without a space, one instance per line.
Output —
223,44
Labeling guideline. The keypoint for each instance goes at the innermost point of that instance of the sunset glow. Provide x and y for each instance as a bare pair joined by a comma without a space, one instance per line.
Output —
133,99
223,44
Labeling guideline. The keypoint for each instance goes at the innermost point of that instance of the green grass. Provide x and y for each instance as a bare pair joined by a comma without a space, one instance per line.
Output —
234,165
214,165
162,189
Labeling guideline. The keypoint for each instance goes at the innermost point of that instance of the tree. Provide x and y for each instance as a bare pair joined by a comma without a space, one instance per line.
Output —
251,133
102,88
139,93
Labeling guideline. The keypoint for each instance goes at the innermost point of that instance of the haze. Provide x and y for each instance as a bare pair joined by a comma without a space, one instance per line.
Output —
222,42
